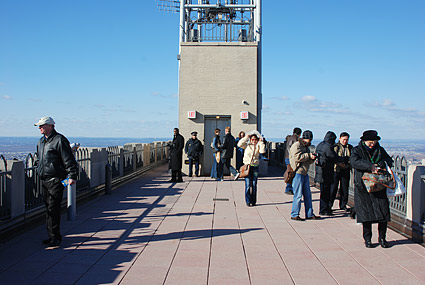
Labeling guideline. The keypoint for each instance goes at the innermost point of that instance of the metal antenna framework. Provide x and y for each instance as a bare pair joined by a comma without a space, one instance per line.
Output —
216,20
172,6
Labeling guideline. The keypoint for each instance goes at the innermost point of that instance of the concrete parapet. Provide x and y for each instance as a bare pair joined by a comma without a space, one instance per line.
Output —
415,203
98,161
16,184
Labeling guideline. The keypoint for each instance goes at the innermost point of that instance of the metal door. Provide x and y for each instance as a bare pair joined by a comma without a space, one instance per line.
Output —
210,125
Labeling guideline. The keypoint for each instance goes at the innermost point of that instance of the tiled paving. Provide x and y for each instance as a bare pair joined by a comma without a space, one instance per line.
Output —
151,231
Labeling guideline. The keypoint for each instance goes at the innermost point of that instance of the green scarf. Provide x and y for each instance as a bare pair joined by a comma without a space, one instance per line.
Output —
375,154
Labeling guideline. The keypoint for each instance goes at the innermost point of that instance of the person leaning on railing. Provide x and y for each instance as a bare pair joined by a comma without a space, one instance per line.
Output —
370,156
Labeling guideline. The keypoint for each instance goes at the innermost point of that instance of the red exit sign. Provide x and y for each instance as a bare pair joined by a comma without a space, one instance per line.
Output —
244,115
191,114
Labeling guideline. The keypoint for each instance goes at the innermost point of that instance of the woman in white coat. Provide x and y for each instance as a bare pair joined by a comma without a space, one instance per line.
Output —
254,146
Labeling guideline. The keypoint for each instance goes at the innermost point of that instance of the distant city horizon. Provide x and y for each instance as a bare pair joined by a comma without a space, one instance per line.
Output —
19,147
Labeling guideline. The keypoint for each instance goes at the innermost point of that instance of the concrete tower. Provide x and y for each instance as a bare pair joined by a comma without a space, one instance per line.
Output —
219,69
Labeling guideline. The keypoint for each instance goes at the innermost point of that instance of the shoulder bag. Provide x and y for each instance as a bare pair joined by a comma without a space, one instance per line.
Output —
289,174
244,170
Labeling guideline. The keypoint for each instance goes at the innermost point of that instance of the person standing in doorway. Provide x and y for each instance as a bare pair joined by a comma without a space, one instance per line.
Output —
228,148
55,162
216,148
239,151
342,172
193,149
176,156
289,141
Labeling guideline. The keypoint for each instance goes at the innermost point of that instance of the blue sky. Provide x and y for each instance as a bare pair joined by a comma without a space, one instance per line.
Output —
108,68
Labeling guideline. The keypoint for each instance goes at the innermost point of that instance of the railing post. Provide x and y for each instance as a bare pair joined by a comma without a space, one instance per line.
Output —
108,179
17,188
72,201
147,153
121,162
134,158
415,199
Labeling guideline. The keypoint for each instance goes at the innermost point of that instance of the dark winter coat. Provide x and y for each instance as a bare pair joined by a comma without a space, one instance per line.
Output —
326,159
176,152
55,158
193,148
370,207
228,146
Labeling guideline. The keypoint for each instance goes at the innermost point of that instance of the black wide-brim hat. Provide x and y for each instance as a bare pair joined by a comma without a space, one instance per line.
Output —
370,135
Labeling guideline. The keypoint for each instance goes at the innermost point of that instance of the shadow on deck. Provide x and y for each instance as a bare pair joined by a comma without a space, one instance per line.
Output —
150,231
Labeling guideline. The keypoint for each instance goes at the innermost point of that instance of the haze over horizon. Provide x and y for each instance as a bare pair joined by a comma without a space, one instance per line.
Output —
109,68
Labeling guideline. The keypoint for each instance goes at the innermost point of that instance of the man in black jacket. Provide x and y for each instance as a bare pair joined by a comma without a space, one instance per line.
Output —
227,154
176,156
325,162
55,163
193,149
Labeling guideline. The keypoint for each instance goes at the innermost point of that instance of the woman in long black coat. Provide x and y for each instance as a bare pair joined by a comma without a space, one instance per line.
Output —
372,207
176,156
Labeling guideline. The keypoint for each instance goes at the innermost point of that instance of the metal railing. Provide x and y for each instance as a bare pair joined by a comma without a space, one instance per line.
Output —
82,156
398,204
123,160
114,160
33,189
5,205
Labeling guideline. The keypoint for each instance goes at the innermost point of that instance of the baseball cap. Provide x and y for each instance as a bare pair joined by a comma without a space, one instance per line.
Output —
44,121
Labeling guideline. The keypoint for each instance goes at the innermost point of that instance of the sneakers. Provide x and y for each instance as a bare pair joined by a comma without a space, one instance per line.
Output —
290,192
237,176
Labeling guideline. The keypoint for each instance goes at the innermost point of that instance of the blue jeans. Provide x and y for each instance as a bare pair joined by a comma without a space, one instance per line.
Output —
251,185
214,168
288,186
301,186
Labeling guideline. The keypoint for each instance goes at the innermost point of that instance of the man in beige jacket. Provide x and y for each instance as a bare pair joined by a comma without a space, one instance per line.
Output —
300,159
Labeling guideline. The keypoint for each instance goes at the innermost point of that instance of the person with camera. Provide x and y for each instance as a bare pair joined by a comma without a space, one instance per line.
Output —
300,159
193,149
176,156
341,172
370,156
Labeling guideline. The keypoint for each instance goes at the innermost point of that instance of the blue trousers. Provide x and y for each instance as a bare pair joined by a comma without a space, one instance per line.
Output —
301,188
251,185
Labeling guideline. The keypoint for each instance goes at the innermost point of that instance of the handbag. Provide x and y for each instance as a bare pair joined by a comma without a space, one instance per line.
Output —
244,169
399,188
217,156
289,174
380,181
